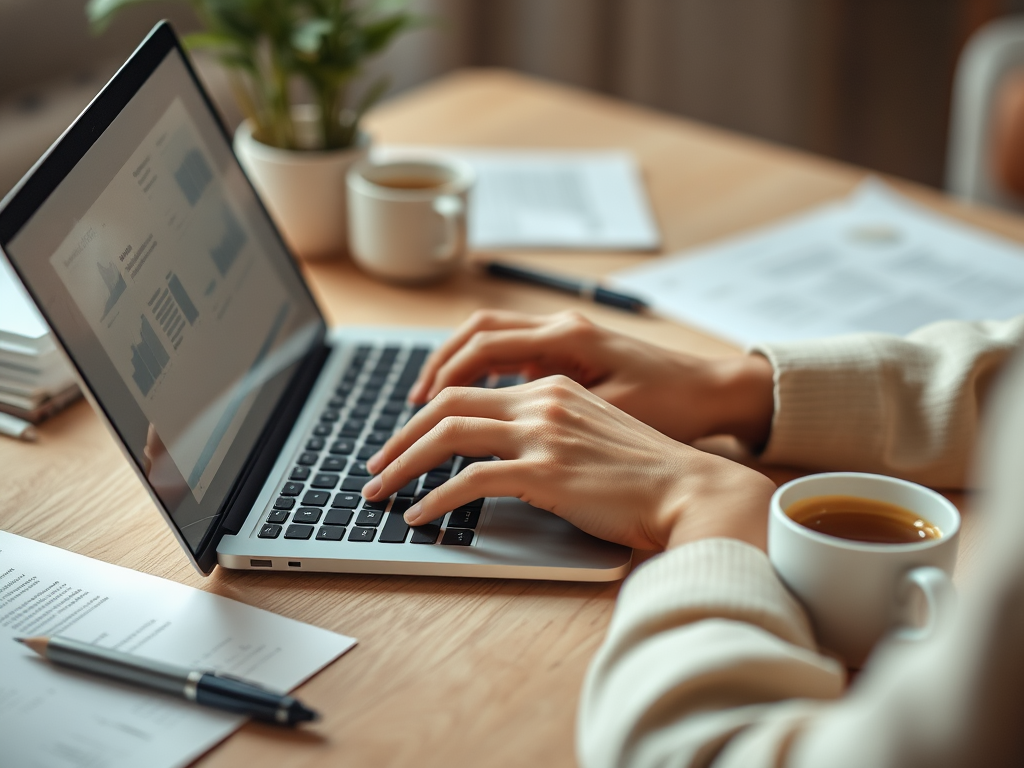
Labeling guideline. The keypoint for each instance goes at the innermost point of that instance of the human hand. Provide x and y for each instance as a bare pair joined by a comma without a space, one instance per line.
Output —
566,450
682,396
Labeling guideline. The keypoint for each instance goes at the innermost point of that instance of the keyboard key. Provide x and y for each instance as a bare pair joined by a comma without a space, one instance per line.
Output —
394,407
367,451
322,430
445,466
409,489
330,415
362,534
336,402
291,489
330,534
270,531
369,397
360,412
354,484
325,480
464,518
377,380
359,469
369,517
309,515
345,388
380,506
315,498
308,459
476,504
377,438
346,500
298,532
343,447
457,537
300,473
338,517
395,529
283,503
277,516
315,444
353,428
385,423
434,479
401,504
333,464
425,534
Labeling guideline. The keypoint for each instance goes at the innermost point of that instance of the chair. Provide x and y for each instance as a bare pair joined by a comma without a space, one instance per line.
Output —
985,161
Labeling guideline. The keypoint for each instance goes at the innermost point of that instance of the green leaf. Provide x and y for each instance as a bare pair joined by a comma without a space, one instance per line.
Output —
309,35
211,40
101,12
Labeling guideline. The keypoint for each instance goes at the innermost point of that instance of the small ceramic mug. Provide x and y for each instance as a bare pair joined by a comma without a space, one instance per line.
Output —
407,219
857,592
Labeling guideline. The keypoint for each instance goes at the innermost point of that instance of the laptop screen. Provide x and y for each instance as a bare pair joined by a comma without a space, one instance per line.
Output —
160,272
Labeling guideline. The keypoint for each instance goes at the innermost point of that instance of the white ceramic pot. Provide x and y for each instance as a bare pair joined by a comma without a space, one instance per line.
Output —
304,190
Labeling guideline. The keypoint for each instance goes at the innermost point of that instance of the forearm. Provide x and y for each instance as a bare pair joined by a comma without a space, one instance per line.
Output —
705,641
908,407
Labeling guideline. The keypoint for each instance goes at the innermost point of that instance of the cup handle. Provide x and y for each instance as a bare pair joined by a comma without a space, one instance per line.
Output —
453,211
936,588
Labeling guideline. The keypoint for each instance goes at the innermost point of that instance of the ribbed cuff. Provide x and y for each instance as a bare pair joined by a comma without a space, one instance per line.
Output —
711,578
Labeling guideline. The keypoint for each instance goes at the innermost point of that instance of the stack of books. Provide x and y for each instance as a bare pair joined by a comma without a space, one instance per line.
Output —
35,380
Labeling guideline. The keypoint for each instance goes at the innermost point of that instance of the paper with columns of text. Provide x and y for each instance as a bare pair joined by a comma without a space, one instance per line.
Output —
53,717
874,261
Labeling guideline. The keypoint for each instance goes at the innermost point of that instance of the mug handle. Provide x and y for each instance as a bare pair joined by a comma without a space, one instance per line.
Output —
453,211
934,585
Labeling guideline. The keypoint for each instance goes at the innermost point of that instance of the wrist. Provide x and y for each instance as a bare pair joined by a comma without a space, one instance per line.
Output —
745,398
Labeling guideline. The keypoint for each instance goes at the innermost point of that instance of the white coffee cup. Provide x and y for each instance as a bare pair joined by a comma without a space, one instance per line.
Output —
407,219
856,592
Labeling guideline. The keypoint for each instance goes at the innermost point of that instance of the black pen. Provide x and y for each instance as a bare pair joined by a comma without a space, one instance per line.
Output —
206,688
585,289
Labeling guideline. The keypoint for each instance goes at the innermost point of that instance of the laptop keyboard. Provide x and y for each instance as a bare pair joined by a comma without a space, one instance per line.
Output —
321,497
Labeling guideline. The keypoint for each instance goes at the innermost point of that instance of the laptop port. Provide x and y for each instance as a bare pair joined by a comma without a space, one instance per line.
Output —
261,563
294,564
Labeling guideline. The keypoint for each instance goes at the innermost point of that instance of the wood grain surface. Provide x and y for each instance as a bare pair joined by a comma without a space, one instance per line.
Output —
448,672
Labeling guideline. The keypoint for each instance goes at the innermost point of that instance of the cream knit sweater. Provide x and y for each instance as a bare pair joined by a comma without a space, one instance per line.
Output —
709,661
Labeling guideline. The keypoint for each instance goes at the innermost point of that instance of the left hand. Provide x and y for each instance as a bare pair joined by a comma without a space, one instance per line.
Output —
566,450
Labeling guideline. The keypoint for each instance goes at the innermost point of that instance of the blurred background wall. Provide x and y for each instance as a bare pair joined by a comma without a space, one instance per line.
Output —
865,81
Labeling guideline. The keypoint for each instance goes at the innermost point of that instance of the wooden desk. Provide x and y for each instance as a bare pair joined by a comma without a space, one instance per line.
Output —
447,672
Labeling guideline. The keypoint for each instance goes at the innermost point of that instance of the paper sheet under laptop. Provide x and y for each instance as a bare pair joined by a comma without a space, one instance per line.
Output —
551,199
873,262
53,717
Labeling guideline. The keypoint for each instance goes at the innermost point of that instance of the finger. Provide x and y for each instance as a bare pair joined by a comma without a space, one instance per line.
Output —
452,435
487,351
479,321
456,401
477,481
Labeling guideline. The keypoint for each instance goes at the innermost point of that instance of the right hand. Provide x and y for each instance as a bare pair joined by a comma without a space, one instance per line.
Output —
681,396
566,450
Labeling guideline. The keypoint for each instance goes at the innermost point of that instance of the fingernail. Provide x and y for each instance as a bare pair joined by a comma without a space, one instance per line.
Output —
412,514
372,488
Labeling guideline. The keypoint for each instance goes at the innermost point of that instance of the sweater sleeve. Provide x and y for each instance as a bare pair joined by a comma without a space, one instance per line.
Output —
704,642
907,407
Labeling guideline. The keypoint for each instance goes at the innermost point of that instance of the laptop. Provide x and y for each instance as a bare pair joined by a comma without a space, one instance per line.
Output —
194,336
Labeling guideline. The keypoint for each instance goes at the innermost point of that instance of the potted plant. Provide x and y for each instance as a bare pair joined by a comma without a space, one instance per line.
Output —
296,154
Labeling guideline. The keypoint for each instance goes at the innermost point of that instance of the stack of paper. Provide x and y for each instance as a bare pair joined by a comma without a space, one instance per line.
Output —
35,380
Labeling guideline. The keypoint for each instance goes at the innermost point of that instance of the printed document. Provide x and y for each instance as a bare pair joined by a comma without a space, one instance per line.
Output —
551,198
54,717
873,262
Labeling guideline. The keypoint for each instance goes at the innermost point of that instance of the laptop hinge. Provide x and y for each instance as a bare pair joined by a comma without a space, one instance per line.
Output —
266,451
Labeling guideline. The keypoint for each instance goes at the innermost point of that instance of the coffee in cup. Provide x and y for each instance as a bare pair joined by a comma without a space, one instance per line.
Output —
862,552
407,218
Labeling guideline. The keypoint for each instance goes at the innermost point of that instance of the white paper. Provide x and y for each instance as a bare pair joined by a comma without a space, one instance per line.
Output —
53,717
20,321
873,262
551,198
